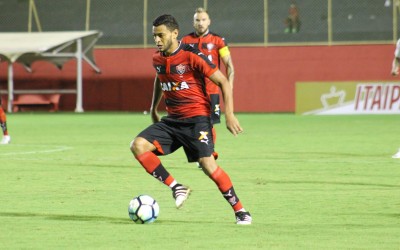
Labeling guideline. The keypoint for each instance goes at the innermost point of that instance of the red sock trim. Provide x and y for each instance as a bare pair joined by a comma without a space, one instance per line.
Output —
237,206
2,115
149,161
222,180
169,180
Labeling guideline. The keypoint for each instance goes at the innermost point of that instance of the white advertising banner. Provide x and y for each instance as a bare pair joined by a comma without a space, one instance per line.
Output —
331,98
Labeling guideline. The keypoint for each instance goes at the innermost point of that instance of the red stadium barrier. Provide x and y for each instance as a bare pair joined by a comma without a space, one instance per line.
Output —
265,77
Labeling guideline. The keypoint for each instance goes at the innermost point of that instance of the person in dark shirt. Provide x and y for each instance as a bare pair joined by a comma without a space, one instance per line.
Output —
292,21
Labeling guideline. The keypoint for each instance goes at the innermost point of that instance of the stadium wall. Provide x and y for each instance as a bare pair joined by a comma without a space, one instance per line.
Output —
265,76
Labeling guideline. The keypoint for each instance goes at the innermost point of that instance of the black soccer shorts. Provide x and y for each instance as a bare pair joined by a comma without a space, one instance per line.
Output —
193,134
215,109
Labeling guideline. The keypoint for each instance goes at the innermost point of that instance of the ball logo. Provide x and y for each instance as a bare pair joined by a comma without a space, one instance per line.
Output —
181,69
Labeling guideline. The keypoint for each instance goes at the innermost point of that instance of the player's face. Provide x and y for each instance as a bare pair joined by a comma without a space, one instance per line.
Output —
165,40
201,22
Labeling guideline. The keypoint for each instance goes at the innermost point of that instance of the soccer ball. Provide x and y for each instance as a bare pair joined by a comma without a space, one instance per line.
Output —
143,209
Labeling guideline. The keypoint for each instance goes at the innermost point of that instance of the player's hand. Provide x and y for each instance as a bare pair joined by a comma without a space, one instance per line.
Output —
232,124
155,117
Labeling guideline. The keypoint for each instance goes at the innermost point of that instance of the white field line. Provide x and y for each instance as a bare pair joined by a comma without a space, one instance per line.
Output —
45,150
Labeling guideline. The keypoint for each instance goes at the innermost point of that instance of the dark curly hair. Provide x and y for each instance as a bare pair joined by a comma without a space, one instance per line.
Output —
168,20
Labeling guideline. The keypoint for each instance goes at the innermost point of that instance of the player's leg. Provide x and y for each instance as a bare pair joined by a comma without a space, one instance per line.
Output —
215,115
200,144
145,152
225,186
215,154
3,124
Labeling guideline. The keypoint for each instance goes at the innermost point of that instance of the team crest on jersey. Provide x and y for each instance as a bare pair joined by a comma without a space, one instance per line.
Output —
210,46
181,69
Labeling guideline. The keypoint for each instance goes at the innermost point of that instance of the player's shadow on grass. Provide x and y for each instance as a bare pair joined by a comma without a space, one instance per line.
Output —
66,217
113,220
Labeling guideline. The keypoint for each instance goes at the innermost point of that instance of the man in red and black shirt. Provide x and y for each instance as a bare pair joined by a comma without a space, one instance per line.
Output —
180,78
216,49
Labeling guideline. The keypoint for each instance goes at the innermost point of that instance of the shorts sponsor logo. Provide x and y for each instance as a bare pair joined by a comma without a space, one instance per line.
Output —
203,137
217,109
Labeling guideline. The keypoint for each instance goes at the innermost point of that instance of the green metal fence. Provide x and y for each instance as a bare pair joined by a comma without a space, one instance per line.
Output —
127,23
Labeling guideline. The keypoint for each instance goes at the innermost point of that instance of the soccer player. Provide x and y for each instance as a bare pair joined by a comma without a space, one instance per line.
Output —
216,49
3,123
395,72
180,70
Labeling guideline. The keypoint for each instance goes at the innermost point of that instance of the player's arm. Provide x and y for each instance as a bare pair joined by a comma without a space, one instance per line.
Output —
396,60
395,66
232,123
157,94
227,61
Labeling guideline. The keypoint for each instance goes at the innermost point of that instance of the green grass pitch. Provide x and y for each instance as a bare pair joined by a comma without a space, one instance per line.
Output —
310,182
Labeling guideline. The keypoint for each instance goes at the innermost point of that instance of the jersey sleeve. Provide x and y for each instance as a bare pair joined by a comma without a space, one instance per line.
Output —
184,39
201,63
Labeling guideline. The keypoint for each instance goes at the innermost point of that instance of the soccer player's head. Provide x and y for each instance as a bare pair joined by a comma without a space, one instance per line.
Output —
201,21
165,33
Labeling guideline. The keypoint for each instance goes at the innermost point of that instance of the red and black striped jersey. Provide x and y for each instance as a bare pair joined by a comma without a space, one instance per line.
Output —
181,76
210,44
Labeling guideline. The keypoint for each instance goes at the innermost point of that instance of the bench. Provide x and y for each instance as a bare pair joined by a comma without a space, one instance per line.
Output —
22,101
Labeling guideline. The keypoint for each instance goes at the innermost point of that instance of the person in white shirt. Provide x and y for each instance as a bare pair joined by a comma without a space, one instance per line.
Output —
395,72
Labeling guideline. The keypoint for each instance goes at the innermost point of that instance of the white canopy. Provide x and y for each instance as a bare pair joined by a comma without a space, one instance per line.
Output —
56,47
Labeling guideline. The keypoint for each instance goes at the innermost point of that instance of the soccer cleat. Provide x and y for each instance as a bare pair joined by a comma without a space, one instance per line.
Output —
180,194
243,218
397,155
6,140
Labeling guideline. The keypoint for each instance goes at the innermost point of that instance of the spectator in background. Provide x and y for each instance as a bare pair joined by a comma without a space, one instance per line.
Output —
293,22
395,72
